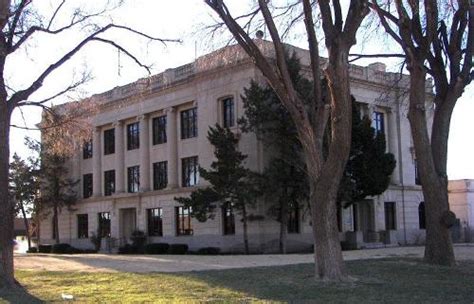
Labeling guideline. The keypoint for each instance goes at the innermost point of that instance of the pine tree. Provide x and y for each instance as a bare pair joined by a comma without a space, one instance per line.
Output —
230,182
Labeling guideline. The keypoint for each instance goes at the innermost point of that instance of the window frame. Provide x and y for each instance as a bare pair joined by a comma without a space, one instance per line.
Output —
87,185
109,141
228,219
189,171
155,222
87,149
82,227
133,179
109,185
133,136
228,111
378,122
159,125
160,175
103,218
183,221
189,123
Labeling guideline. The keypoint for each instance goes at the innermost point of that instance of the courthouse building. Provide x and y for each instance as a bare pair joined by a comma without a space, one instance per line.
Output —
149,138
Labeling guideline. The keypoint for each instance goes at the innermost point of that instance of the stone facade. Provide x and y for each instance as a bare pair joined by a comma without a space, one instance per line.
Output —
204,85
461,202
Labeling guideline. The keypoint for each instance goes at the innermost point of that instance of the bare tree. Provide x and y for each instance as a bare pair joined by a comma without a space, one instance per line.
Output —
437,39
20,24
324,173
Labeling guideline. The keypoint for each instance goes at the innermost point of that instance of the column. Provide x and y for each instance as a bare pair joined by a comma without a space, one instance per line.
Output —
172,146
119,157
96,156
144,153
392,141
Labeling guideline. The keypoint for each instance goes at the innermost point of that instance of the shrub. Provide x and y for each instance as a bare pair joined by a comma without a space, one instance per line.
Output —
96,240
89,251
209,250
32,250
138,240
127,249
45,248
178,249
62,248
157,248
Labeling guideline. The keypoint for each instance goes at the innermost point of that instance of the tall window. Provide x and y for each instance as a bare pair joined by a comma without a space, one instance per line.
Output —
228,219
87,149
87,185
159,130
293,218
378,122
133,174
160,175
82,226
190,171
104,224
109,182
133,136
183,221
228,112
417,173
421,215
155,222
109,141
189,127
390,218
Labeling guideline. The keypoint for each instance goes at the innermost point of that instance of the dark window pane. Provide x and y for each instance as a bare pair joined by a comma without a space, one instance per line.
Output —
228,219
133,136
160,175
228,112
133,174
155,222
378,122
104,224
109,141
390,217
159,130
421,215
293,218
87,185
109,182
87,149
190,171
82,226
189,123
183,221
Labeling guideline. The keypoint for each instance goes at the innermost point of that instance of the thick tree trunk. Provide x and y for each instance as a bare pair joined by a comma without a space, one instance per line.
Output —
246,237
6,207
438,248
283,226
27,226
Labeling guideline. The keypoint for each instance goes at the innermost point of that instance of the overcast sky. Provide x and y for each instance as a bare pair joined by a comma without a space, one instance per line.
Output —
183,19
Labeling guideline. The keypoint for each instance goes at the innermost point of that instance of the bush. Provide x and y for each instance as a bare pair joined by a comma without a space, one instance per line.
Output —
138,240
209,251
32,250
89,251
45,248
157,248
127,249
96,240
62,248
178,249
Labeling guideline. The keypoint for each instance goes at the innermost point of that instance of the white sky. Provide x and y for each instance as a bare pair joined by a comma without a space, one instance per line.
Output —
169,19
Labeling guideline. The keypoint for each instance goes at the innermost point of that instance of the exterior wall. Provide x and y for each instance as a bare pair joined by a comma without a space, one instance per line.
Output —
461,201
203,84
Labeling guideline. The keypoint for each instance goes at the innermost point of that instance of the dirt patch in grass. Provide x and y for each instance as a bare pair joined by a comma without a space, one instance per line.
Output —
398,280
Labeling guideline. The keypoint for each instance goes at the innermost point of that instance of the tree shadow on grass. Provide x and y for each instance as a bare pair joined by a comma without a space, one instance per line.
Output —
17,295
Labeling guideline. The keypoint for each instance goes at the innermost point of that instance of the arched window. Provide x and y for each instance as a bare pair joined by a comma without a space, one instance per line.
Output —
421,215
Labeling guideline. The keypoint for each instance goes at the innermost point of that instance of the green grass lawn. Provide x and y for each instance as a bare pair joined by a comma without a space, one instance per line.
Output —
376,281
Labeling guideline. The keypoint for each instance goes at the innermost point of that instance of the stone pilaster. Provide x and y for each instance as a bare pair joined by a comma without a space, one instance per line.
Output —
97,161
172,145
392,141
119,157
144,153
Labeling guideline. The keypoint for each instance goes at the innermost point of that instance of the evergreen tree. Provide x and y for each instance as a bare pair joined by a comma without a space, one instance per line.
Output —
230,182
24,189
57,189
367,171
